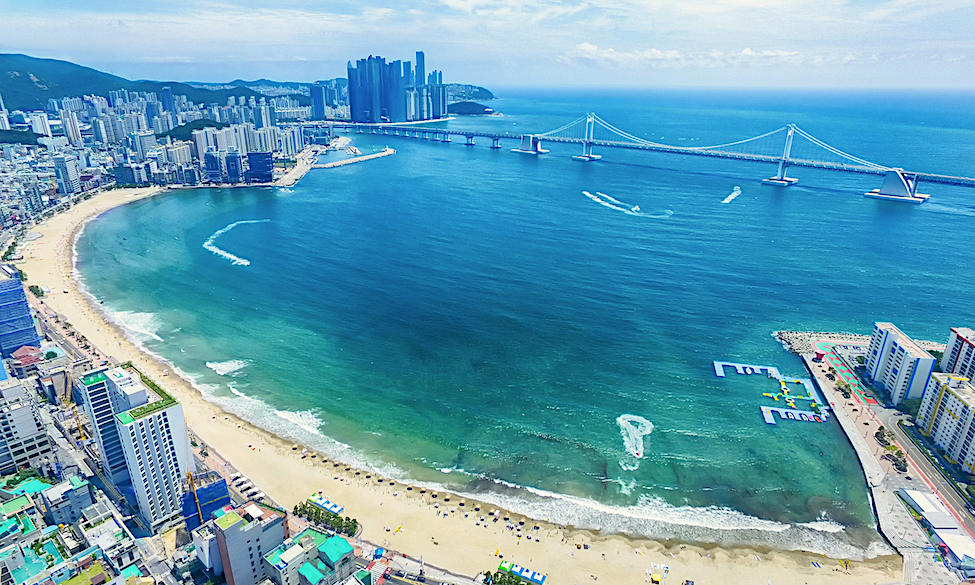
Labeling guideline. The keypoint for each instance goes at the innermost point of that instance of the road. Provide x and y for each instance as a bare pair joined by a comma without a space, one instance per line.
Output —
958,505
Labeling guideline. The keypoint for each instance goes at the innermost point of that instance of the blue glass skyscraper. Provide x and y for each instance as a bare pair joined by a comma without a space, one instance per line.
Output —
16,324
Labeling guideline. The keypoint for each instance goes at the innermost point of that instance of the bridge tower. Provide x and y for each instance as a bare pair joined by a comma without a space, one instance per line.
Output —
587,154
780,179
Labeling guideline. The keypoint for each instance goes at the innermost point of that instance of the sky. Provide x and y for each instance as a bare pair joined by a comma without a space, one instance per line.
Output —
898,44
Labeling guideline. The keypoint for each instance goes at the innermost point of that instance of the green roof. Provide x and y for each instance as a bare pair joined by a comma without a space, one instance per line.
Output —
131,571
95,378
309,572
85,577
335,548
77,482
18,504
165,398
228,520
125,418
364,577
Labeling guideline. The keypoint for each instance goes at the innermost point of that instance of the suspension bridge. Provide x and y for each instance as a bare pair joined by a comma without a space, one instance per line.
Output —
788,146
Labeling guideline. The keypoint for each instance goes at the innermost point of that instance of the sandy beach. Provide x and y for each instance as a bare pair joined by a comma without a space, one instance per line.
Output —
444,538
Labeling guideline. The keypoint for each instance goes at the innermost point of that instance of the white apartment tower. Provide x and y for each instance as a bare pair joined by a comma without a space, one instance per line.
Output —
959,357
897,364
946,415
141,436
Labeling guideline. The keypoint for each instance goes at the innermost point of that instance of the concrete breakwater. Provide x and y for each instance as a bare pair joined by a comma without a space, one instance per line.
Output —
384,152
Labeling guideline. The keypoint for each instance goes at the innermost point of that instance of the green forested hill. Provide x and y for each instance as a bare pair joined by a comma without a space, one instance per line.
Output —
26,83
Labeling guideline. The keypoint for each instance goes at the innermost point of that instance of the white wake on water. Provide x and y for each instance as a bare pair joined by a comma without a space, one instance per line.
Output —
731,196
235,260
634,428
613,203
228,368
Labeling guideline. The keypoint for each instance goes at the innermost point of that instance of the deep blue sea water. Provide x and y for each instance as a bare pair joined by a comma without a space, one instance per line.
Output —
468,317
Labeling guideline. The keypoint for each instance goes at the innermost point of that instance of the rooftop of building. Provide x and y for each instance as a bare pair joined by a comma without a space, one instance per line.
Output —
95,574
906,341
57,492
965,333
959,386
333,547
16,505
247,513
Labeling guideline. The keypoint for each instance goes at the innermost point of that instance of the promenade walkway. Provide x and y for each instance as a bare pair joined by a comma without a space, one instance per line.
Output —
895,522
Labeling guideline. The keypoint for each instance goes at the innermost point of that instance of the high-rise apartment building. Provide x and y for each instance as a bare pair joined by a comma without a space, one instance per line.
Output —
142,441
318,101
16,323
68,175
959,356
393,92
23,438
946,415
166,97
896,363
39,123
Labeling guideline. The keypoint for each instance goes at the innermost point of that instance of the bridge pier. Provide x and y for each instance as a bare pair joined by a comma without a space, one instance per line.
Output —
470,140
530,144
496,142
446,137
899,186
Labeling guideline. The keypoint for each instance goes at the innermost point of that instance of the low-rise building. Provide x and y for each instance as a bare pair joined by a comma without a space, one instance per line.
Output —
896,363
311,558
101,526
65,502
946,415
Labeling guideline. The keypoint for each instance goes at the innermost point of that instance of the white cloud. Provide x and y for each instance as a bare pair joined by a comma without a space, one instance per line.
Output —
590,54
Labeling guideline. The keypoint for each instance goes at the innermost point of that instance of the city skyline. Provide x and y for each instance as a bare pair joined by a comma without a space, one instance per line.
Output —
502,43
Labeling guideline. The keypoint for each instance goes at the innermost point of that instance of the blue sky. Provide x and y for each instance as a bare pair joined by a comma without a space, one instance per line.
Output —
901,44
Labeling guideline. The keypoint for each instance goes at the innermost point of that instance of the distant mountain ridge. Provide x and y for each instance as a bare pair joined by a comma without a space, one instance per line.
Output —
26,83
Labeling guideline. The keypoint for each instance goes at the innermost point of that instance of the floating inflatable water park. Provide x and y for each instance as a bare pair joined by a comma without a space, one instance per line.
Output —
816,411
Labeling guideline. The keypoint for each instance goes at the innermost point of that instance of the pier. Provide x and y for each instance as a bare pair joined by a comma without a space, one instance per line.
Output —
356,159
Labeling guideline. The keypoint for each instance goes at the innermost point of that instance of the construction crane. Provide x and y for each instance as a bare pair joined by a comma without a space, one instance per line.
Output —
189,478
81,430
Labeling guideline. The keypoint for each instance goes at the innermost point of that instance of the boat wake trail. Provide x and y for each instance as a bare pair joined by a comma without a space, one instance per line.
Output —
613,203
633,428
235,260
731,196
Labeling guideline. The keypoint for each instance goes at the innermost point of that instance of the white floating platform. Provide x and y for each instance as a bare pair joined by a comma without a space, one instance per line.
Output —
916,198
522,151
783,182
587,157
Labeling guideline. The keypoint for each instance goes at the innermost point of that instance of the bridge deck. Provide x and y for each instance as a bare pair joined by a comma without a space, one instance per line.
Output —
411,130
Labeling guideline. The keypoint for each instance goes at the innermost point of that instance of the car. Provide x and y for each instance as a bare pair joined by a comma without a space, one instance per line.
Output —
400,573
908,478
421,579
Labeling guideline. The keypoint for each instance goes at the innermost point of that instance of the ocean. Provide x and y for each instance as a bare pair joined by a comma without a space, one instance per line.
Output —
471,319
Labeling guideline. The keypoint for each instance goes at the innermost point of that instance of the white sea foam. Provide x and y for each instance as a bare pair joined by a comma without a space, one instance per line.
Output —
734,193
228,368
233,388
634,428
143,325
235,260
613,203
304,419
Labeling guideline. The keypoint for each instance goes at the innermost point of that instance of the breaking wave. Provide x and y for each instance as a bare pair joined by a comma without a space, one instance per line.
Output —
141,325
228,368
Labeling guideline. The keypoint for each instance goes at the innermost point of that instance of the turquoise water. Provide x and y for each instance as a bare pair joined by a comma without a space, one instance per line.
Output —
468,317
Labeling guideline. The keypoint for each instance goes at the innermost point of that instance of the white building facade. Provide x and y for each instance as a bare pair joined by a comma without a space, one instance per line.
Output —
959,357
896,363
946,415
